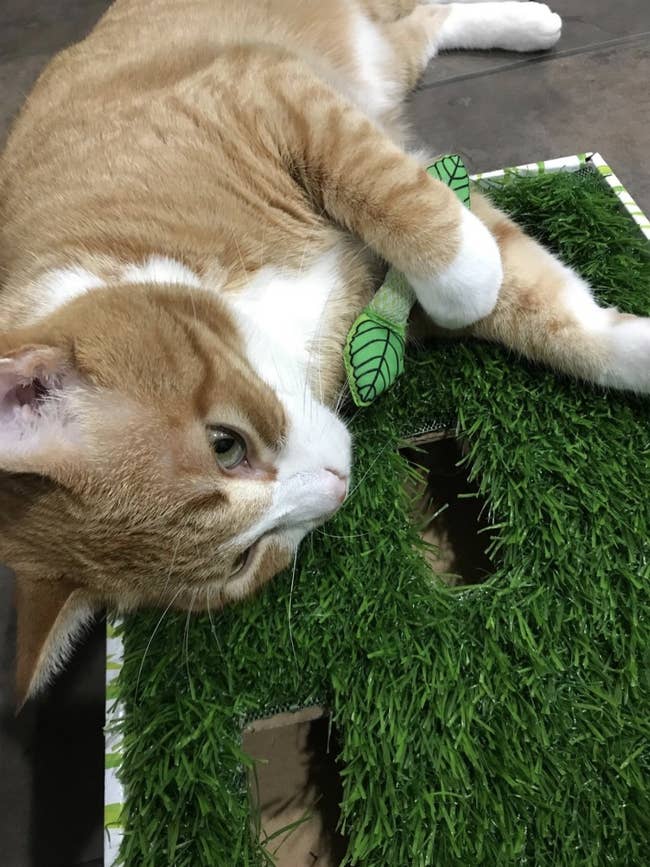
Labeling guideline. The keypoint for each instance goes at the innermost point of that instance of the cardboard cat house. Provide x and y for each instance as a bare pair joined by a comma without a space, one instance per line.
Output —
496,715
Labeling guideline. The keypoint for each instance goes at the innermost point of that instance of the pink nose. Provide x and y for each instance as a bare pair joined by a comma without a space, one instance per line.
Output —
340,483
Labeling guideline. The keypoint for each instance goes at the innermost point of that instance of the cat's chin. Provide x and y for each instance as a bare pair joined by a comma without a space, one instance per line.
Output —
270,554
265,558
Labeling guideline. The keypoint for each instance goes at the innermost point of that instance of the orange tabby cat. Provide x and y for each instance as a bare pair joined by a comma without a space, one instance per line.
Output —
194,201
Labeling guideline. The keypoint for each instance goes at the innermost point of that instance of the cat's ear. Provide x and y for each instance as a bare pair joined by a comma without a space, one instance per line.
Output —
50,616
38,424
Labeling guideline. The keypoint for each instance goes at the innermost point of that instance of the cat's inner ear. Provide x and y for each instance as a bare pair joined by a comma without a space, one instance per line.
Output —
37,419
50,614
28,376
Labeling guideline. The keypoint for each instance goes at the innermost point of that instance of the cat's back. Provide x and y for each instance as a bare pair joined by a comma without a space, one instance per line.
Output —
131,137
141,49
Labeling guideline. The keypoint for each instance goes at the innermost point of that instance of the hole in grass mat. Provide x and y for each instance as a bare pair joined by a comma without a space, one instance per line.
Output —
448,511
296,788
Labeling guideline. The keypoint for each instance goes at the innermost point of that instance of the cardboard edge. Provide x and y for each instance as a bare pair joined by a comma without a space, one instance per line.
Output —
574,163
113,789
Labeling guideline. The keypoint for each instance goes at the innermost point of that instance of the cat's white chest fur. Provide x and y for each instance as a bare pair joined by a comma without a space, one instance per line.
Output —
281,314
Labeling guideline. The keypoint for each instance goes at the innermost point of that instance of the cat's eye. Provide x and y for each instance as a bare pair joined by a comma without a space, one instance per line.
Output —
228,446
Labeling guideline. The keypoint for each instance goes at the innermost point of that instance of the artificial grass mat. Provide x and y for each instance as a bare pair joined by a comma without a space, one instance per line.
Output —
505,723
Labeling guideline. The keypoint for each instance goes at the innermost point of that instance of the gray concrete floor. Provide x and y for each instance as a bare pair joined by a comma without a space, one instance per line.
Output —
591,93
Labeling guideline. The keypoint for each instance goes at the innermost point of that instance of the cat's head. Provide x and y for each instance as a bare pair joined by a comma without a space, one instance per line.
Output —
144,462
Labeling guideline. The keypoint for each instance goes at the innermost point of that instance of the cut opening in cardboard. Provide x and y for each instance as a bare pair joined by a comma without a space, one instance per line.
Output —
448,510
296,788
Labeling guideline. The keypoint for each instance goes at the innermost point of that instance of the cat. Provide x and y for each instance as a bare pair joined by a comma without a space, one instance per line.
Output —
196,202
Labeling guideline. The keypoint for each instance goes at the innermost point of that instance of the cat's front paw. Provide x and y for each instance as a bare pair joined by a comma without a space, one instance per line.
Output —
467,290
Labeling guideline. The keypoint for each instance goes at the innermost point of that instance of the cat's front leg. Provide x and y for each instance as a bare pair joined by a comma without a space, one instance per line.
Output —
466,290
367,184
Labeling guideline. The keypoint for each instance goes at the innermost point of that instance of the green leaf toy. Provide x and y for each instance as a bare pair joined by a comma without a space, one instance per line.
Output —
451,171
376,343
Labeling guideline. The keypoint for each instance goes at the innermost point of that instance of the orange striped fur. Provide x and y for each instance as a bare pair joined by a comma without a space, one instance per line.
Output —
166,176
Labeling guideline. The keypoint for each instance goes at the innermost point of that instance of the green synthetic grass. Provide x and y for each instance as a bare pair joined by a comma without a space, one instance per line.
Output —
507,723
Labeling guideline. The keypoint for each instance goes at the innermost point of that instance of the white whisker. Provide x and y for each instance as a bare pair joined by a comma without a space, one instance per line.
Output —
187,639
293,578
212,626
191,288
364,476
241,258
153,635
336,536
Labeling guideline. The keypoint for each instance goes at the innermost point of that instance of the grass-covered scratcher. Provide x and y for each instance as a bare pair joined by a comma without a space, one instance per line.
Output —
503,724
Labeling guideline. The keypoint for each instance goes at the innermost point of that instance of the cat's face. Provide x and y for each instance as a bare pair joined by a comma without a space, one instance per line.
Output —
179,476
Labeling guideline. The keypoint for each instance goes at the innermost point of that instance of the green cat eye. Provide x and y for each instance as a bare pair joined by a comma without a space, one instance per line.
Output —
228,447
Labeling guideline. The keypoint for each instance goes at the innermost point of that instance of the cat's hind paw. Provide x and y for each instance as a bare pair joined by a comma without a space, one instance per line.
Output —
628,355
511,25
533,27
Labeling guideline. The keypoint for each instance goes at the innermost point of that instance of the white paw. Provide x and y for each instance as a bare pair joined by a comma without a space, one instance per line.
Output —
529,27
468,289
511,25
628,356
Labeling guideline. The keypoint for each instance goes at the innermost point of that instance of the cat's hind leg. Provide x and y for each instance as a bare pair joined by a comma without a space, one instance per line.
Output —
385,11
547,313
414,39
417,37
